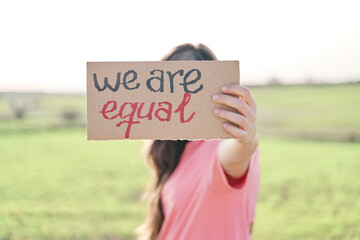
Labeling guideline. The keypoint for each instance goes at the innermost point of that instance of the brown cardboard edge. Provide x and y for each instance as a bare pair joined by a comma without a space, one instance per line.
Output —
87,103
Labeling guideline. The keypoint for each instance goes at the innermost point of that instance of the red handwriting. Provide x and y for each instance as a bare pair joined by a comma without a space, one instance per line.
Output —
162,113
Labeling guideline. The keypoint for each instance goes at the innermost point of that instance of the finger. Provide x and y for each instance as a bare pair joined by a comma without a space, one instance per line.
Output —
236,132
242,92
235,118
236,103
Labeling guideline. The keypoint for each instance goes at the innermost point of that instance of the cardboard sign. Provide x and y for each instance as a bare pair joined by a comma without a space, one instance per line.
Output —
156,100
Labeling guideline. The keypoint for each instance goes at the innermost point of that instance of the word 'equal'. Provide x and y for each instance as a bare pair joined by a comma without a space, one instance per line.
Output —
162,113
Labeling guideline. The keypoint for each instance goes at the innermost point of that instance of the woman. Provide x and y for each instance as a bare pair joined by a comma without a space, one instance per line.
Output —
206,189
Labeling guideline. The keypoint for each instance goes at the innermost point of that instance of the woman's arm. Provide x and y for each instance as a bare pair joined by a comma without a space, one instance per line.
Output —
234,154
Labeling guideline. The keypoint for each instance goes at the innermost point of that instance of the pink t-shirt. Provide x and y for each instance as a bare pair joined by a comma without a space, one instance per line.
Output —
199,203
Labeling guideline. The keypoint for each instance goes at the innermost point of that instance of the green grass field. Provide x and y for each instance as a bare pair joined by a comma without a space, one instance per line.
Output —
56,185
327,112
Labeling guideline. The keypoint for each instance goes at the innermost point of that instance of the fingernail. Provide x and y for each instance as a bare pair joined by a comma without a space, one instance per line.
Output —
217,111
225,125
216,97
225,88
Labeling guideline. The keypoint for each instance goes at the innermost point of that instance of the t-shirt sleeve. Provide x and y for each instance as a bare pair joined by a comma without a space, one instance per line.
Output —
221,181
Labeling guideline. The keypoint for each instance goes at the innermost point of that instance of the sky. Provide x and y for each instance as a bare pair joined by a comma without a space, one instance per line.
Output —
44,45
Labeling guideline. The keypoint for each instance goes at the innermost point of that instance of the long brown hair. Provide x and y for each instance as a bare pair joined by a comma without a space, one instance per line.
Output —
163,155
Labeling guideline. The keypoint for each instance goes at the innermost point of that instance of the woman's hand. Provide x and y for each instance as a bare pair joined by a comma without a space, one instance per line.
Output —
235,154
243,126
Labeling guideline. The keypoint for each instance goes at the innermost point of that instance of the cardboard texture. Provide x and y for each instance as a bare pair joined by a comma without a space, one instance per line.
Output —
156,100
